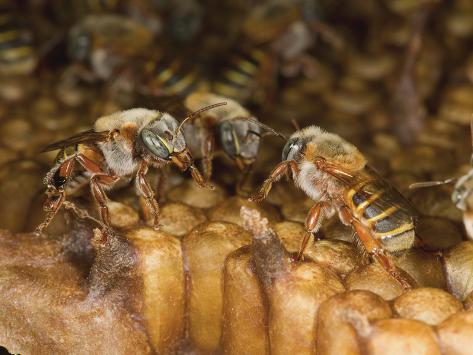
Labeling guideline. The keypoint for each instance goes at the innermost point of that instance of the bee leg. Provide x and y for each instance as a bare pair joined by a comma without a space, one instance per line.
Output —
243,179
278,172
374,248
161,186
98,179
51,206
313,222
56,194
199,179
150,205
208,157
99,195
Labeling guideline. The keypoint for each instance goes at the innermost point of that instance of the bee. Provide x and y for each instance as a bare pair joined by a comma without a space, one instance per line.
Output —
106,42
171,76
462,191
245,75
121,145
336,176
230,129
17,54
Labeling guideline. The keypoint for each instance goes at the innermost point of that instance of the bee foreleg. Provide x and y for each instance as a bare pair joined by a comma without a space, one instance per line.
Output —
149,204
279,171
207,151
199,179
243,179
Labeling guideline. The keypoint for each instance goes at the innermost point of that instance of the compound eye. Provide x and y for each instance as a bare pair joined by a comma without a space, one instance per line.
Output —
155,144
291,149
228,139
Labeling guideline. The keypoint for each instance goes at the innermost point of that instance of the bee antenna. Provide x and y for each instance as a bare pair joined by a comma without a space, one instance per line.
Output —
265,127
471,133
295,124
193,114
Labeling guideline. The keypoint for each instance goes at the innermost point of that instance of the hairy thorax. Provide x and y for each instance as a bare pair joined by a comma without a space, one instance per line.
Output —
319,186
119,157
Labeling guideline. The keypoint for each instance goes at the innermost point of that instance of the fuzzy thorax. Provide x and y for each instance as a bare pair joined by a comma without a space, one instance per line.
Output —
331,147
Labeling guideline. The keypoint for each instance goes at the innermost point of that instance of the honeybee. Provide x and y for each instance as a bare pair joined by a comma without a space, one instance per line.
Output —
17,55
335,174
121,145
230,129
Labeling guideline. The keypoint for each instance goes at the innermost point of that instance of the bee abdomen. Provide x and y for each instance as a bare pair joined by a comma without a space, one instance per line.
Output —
239,77
378,206
175,78
17,55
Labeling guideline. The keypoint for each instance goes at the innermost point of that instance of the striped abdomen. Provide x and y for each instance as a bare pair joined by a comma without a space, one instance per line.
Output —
173,77
240,76
17,55
386,213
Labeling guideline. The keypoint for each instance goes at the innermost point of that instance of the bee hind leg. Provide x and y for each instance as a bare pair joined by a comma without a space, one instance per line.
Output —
374,248
55,193
51,206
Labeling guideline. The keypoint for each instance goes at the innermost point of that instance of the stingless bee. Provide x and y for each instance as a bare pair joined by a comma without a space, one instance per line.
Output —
104,43
164,75
17,54
462,192
230,129
248,73
335,174
120,145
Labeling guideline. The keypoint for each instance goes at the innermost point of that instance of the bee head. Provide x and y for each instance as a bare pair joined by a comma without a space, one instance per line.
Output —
239,139
462,192
79,44
312,142
162,139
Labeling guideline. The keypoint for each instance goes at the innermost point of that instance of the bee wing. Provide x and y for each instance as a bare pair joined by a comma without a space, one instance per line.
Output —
390,196
89,136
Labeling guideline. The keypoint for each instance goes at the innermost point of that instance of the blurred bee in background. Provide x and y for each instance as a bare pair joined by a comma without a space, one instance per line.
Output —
229,129
335,174
104,43
17,53
246,75
163,75
69,11
279,37
122,145
462,195
182,19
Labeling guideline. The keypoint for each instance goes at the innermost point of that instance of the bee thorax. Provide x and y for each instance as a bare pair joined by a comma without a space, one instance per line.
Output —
319,186
119,158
